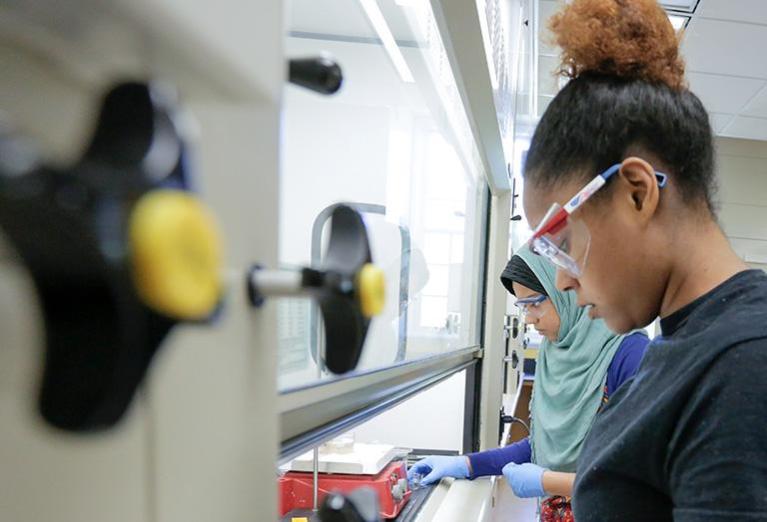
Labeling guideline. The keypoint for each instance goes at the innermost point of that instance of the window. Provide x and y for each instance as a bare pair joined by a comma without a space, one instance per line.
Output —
395,141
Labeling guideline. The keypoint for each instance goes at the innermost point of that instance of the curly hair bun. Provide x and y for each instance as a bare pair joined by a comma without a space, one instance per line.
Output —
630,39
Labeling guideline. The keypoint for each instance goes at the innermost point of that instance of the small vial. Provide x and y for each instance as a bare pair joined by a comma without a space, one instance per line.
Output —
415,481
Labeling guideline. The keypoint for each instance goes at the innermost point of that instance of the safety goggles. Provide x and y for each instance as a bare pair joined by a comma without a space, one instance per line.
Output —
532,306
565,241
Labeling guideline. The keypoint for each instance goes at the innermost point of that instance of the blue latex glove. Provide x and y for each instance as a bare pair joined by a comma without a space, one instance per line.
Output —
526,480
437,467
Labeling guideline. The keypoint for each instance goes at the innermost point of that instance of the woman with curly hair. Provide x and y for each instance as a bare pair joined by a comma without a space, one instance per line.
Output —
619,184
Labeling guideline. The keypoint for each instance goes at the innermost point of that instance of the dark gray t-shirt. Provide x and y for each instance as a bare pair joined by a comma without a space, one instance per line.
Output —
686,438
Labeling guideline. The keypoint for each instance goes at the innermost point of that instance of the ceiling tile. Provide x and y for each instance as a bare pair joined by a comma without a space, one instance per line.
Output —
726,48
752,11
748,128
723,93
758,105
719,121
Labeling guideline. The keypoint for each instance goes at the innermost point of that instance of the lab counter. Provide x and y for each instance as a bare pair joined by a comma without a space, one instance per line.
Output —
459,501
486,499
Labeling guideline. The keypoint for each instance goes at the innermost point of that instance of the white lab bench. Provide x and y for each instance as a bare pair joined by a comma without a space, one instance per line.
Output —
486,499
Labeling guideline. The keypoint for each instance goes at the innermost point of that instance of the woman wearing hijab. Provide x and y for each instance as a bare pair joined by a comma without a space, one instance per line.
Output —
580,365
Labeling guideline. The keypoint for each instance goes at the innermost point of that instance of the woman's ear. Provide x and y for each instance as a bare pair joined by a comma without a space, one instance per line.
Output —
640,186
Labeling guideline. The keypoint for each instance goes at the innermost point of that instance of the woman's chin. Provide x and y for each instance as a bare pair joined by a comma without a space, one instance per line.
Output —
617,324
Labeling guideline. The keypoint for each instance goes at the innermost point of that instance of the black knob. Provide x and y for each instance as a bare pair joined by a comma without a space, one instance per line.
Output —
514,328
319,74
71,226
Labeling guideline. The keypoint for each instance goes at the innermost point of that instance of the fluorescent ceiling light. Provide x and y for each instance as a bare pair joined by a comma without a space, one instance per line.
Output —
378,22
678,22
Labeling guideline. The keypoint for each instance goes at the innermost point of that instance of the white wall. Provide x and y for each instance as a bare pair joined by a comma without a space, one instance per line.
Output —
742,170
431,420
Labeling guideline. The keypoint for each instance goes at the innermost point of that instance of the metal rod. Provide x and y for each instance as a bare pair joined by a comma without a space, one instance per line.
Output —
269,283
316,483
316,451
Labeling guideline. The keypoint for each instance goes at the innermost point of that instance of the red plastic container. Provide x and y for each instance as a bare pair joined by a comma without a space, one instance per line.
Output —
296,488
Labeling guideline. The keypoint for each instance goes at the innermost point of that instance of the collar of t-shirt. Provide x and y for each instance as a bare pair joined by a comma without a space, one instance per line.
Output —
671,324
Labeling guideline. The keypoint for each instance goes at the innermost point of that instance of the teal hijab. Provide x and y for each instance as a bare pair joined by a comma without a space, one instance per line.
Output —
570,375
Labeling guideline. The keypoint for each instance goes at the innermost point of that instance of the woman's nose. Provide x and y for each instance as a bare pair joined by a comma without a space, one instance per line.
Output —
529,319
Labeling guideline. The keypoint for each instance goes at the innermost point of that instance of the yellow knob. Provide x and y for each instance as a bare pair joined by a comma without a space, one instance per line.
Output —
176,254
371,285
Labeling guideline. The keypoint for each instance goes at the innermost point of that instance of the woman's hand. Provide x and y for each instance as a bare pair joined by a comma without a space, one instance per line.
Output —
526,480
436,467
